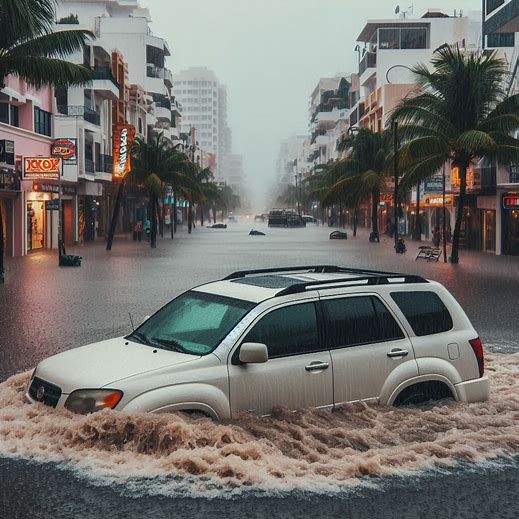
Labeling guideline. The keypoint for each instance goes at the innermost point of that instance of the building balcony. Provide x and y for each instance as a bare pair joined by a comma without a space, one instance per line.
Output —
104,82
367,66
79,111
162,113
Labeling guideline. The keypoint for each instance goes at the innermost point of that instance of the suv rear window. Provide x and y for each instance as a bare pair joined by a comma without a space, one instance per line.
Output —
425,312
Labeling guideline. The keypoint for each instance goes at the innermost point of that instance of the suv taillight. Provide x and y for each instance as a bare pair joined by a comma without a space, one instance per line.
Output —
477,347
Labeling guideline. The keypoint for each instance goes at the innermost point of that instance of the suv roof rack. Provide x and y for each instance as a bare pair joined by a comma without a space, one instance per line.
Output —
363,276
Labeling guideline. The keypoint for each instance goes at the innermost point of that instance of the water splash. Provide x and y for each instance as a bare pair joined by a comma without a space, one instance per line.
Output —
307,450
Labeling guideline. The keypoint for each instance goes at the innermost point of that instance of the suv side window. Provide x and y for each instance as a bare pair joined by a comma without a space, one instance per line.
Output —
359,320
425,312
290,330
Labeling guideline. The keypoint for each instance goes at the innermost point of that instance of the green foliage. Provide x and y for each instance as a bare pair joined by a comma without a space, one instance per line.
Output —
33,51
71,19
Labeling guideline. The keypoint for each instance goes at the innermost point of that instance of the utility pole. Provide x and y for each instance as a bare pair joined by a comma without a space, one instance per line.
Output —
444,211
395,195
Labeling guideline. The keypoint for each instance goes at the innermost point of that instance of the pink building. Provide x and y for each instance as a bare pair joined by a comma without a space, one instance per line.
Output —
26,130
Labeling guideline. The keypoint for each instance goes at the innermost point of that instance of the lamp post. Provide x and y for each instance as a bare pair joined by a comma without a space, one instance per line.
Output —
395,193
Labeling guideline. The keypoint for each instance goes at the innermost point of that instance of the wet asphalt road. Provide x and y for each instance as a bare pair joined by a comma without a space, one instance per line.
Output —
45,309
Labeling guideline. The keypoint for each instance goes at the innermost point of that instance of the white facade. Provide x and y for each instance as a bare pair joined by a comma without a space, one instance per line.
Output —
204,107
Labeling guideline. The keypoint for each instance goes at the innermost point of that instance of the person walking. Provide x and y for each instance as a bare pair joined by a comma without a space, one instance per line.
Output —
138,231
436,237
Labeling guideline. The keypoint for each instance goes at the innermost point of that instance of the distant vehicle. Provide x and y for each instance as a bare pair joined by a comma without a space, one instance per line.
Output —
277,218
285,218
232,218
308,218
259,218
316,336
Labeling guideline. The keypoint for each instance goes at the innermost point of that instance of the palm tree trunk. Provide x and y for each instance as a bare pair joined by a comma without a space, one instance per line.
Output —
418,223
374,213
189,220
153,235
175,220
115,215
355,219
459,216
1,246
201,215
214,214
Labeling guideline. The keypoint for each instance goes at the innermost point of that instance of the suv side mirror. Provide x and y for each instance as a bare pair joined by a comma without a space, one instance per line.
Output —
253,353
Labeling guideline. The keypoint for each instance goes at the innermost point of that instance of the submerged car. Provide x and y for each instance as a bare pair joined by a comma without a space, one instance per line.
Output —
298,337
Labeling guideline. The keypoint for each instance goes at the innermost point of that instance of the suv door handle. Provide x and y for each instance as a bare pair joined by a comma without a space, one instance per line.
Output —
317,366
397,353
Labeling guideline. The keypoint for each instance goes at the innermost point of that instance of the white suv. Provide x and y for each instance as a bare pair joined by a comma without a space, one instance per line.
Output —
300,337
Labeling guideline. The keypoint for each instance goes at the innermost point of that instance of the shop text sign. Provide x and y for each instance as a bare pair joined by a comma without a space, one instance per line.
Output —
437,201
511,201
36,168
66,149
123,136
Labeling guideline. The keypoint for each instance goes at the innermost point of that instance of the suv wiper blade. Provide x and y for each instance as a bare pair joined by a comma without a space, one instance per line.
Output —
140,338
171,344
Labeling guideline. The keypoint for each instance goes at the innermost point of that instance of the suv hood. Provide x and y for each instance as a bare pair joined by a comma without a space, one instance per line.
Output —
103,363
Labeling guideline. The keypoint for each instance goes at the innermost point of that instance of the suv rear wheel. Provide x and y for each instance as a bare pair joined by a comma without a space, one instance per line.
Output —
423,393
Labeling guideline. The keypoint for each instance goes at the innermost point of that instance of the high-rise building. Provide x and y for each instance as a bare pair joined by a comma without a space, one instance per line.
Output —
204,107
500,23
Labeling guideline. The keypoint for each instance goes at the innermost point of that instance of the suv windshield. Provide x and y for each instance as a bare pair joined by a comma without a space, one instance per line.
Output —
193,323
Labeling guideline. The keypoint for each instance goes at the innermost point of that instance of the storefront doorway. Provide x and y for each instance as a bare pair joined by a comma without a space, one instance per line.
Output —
35,225
488,223
511,232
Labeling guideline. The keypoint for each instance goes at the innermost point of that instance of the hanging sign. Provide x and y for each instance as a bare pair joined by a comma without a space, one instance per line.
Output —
123,136
437,201
36,168
66,149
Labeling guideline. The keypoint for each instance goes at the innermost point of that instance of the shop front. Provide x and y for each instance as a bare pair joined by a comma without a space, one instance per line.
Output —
487,218
510,208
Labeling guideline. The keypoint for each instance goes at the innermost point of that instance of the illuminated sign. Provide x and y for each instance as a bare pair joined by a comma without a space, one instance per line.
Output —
511,201
35,168
122,137
66,149
437,201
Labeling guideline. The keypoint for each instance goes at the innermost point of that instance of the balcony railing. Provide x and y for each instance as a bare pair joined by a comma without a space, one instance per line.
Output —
368,61
81,111
104,73
9,180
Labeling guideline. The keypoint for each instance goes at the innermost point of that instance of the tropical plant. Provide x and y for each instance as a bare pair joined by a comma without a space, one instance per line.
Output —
31,48
155,163
459,115
361,176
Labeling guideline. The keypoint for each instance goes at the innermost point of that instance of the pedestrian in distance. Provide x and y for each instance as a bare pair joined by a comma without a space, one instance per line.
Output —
147,228
436,237
137,232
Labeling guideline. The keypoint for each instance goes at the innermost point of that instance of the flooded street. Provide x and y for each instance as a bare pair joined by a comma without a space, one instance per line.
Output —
358,461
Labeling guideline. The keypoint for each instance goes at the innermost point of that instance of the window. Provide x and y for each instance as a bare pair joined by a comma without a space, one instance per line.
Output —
389,38
42,121
291,330
413,38
498,39
425,312
4,113
359,320
492,5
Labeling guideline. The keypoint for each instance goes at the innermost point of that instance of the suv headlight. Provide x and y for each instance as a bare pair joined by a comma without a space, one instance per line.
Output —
86,401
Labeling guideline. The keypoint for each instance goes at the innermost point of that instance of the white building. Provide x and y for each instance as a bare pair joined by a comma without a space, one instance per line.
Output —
234,174
204,107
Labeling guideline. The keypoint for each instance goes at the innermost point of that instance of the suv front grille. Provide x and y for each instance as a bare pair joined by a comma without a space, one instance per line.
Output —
44,392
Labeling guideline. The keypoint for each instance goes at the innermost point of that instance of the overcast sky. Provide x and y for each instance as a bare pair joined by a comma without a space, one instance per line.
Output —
270,54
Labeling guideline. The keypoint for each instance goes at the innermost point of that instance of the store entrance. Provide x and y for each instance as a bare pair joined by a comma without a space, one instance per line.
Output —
511,234
488,218
35,225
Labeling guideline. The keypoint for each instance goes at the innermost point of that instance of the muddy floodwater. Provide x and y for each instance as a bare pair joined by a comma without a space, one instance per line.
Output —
310,451
453,460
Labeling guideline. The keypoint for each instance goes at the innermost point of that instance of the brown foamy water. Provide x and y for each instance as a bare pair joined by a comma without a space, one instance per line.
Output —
307,450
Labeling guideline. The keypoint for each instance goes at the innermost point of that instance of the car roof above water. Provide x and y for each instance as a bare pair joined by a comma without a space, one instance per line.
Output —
259,285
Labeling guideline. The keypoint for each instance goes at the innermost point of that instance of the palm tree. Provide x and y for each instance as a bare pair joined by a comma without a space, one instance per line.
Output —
154,163
32,51
361,176
460,114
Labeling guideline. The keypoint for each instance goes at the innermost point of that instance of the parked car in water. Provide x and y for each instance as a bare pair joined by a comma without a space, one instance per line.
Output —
297,337
309,218
259,218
